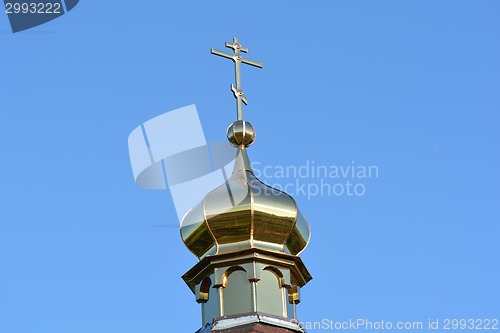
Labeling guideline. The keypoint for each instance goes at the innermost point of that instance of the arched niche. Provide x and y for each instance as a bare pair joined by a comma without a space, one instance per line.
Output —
270,292
237,291
204,293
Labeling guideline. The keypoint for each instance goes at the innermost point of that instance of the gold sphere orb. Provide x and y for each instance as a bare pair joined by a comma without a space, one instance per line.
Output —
241,133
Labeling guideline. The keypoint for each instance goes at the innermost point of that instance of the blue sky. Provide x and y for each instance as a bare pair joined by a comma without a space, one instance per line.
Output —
408,86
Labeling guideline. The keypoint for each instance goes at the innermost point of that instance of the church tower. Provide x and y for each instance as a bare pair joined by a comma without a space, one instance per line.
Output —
248,237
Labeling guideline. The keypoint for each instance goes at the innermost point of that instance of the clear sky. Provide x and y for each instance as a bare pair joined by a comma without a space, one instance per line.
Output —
410,87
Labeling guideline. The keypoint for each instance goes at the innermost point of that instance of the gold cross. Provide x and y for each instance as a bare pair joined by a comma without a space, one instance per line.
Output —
238,59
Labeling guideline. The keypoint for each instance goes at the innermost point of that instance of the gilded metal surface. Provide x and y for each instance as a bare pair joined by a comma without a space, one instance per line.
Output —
195,232
300,235
245,213
241,133
238,59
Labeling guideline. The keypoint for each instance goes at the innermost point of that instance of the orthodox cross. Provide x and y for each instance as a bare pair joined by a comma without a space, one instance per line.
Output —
238,59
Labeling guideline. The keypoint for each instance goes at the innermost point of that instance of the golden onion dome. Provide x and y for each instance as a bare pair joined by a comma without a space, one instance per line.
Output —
244,212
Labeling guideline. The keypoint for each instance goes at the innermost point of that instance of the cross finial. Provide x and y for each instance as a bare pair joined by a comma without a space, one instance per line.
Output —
238,59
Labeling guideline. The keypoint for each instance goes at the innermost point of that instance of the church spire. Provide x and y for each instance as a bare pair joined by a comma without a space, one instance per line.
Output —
247,236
